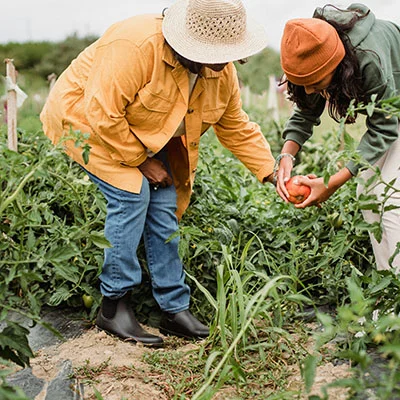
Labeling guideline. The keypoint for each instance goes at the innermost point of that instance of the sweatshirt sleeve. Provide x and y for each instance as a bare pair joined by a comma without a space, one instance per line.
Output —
117,74
299,127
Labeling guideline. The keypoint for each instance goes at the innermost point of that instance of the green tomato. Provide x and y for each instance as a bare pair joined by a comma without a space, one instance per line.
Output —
336,220
87,300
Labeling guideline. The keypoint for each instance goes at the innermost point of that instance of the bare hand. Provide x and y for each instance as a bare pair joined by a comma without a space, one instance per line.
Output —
319,192
155,172
283,175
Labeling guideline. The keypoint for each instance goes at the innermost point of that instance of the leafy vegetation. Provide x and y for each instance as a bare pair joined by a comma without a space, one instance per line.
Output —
44,58
259,266
255,72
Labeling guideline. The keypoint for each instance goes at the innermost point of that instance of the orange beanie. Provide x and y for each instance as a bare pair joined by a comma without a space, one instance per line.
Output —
310,50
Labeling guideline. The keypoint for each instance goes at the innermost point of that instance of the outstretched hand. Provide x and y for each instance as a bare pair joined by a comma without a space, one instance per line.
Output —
155,172
319,191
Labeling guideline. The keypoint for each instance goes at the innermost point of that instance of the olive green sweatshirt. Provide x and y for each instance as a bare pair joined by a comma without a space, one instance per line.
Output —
377,45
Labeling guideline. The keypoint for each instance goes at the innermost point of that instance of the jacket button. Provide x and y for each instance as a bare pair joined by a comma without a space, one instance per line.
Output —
190,110
193,144
194,170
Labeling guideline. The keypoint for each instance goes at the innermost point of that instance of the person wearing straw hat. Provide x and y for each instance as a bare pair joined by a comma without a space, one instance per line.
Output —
145,92
337,57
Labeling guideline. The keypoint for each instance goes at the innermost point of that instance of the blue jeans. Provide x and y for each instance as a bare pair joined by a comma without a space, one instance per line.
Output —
150,213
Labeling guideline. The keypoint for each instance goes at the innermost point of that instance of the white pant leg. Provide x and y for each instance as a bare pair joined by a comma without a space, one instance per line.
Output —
389,166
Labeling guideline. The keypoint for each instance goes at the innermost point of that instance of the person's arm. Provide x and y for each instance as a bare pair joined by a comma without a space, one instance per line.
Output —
320,192
284,167
298,129
243,137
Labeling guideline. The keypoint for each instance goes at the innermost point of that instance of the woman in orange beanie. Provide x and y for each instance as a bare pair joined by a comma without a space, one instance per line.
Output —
336,57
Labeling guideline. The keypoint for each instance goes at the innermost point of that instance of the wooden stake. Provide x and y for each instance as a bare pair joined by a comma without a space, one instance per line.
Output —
52,80
11,106
272,104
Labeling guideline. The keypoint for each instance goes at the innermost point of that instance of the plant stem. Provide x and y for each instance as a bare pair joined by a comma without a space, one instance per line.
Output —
262,294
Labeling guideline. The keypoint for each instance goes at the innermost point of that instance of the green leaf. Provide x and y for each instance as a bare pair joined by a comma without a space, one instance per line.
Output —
205,291
99,240
11,393
349,141
14,345
238,371
67,271
370,108
59,254
299,298
212,358
98,394
31,240
384,283
391,349
60,295
309,370
86,153
355,291
390,207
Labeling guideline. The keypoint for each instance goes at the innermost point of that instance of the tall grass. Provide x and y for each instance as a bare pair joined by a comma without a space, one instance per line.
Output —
248,317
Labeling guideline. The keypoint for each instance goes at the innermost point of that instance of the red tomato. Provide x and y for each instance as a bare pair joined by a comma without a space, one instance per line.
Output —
297,193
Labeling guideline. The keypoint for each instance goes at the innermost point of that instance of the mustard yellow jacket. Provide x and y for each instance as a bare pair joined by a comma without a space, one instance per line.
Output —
130,94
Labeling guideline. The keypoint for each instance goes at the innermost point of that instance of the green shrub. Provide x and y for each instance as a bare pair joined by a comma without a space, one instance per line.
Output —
51,221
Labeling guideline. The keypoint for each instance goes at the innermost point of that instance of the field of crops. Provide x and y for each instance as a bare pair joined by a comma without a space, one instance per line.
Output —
260,270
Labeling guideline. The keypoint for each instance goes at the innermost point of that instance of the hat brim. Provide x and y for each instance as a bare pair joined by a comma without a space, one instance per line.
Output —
175,32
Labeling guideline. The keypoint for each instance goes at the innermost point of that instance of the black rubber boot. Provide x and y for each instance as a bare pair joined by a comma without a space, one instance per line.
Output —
124,324
183,324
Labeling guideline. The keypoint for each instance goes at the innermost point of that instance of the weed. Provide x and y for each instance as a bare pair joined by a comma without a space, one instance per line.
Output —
89,374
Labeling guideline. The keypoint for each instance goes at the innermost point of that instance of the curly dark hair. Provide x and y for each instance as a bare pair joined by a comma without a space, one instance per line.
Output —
346,84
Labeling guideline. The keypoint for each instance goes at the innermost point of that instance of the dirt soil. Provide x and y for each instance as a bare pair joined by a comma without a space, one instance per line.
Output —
116,369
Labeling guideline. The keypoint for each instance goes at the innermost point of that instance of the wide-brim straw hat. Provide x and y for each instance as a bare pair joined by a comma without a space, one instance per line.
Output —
212,31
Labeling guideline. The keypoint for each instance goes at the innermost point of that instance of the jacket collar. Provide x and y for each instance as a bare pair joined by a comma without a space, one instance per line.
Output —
169,58
181,77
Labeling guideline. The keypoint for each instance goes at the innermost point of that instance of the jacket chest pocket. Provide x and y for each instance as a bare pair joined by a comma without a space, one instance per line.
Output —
212,115
149,109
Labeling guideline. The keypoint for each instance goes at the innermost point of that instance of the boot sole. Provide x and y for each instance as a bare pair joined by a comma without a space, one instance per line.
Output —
130,339
181,335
